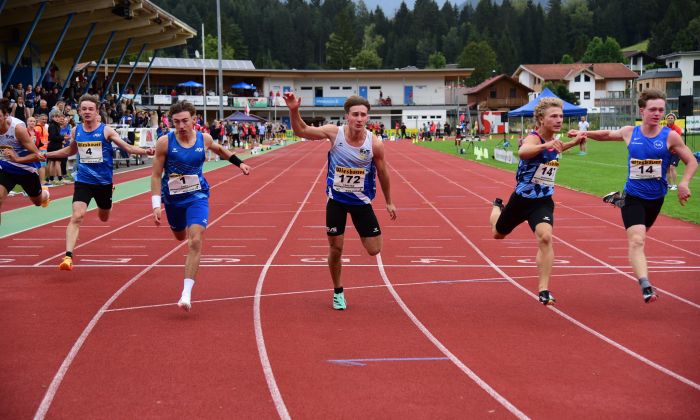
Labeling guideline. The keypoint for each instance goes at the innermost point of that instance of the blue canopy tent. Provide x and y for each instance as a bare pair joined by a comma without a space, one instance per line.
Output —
243,85
191,84
527,110
239,116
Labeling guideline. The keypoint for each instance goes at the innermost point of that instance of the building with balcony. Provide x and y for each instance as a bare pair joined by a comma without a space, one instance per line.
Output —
498,93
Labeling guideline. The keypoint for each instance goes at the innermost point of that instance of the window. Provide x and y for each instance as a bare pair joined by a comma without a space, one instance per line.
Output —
578,78
696,89
696,67
347,87
586,78
492,93
586,95
578,95
673,89
335,87
512,92
375,87
306,88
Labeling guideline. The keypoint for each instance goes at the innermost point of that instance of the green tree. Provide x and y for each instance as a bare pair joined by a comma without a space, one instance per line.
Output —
211,46
599,51
566,59
437,60
340,48
481,57
368,57
562,91
452,44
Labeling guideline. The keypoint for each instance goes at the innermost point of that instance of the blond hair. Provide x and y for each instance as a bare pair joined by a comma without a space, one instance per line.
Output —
544,104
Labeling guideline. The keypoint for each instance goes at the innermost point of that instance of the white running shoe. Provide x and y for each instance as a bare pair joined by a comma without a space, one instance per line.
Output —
185,303
674,187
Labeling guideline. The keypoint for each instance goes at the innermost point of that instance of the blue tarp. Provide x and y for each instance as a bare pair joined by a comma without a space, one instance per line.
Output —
242,85
526,110
242,117
191,84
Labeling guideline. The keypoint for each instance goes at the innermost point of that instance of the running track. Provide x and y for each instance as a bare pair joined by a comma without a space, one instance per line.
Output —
443,324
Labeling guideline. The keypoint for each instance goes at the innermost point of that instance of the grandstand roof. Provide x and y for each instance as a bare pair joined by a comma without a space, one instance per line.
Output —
140,20
198,63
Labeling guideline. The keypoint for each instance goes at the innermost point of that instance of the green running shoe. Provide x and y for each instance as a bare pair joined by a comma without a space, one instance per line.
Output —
339,301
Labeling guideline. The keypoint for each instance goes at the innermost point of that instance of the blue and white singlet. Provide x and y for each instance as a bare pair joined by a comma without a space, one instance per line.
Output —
535,176
94,156
182,180
351,171
648,162
9,140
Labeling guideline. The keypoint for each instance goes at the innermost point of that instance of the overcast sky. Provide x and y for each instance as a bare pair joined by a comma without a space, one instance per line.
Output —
390,6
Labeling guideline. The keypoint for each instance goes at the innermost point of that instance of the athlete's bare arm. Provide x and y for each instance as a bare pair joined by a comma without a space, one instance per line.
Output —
301,129
26,141
112,135
532,146
161,152
222,152
622,134
383,175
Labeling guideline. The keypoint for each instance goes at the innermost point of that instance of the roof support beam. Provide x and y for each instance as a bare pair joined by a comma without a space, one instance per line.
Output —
77,59
2,5
39,12
55,49
99,62
131,73
116,68
145,74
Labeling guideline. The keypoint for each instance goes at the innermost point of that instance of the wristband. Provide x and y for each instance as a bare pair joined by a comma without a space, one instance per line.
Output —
234,159
155,201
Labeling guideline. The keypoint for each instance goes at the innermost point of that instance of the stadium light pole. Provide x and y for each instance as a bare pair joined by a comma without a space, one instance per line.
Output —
221,72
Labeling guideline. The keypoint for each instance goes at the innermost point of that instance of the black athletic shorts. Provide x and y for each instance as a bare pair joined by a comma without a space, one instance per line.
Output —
30,182
638,211
101,193
520,209
675,160
362,215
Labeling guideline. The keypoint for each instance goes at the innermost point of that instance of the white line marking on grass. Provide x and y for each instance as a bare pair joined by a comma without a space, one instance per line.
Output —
454,359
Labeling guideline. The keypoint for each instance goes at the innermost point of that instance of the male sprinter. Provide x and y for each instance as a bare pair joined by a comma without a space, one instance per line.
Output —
18,159
532,198
651,148
356,156
92,141
177,179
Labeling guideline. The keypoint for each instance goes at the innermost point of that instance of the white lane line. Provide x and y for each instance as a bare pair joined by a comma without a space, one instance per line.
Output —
25,246
420,239
257,320
569,318
39,239
454,359
248,226
58,378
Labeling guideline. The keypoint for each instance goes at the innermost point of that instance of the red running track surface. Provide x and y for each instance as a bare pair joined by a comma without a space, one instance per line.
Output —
444,324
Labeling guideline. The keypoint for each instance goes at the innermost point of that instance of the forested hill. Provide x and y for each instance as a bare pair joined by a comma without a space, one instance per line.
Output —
314,34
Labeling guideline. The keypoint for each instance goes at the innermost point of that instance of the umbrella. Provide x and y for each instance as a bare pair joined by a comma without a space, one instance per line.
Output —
242,85
191,84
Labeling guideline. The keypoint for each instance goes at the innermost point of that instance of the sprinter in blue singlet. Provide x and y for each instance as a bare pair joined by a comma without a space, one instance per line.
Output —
177,182
355,158
650,147
92,141
532,198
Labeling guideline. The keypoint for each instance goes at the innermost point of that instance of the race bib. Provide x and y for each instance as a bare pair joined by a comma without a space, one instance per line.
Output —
349,179
90,151
180,184
645,168
546,173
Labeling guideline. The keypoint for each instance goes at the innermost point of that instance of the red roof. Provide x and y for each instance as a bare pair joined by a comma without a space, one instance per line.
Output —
563,71
488,82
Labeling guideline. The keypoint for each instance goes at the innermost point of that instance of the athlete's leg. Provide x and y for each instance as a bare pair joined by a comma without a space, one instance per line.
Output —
373,244
79,209
545,254
195,234
3,195
103,214
493,218
636,237
335,263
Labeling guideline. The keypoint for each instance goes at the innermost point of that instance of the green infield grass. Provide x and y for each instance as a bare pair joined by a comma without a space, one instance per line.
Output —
602,170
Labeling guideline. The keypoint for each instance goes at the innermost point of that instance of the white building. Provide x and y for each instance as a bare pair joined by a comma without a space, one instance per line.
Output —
591,83
689,64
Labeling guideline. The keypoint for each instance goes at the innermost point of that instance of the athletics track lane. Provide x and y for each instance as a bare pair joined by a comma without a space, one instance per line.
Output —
577,360
49,338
